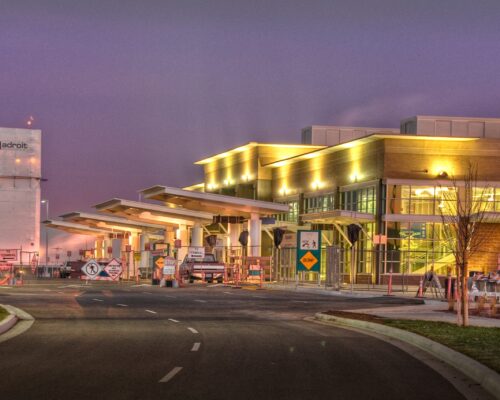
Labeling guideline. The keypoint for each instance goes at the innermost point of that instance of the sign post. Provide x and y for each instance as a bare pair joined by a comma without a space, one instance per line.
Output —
309,251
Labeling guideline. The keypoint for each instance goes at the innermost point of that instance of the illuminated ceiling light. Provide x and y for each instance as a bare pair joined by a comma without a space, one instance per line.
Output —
316,185
245,177
354,177
284,190
212,186
18,160
442,174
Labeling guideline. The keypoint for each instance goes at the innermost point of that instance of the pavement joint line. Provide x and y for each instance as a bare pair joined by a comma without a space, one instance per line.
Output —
151,311
170,375
122,305
97,300
196,346
192,330
173,320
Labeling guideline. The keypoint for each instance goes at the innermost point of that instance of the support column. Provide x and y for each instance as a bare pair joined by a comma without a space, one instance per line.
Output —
144,238
234,234
169,238
99,253
197,235
255,233
184,238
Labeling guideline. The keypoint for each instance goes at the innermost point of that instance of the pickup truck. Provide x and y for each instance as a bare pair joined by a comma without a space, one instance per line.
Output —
196,269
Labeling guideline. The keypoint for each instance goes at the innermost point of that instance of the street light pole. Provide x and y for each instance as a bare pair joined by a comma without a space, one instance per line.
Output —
46,202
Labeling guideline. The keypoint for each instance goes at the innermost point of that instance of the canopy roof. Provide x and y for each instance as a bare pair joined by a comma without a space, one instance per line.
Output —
340,217
78,229
110,223
213,203
153,213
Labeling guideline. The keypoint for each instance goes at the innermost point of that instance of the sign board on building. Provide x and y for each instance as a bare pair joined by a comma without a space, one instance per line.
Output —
92,269
114,268
169,266
379,239
197,253
177,243
289,240
308,251
8,254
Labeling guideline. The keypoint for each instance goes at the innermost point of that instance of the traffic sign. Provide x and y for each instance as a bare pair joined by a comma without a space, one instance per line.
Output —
92,269
309,251
169,266
8,254
159,261
114,268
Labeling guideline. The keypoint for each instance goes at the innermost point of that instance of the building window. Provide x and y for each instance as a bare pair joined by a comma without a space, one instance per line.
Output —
319,203
292,215
486,199
360,200
421,200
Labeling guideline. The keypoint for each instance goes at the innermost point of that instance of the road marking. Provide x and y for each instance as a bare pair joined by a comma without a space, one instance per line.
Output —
300,301
60,292
193,330
147,292
201,301
260,297
170,375
173,320
122,305
152,312
228,292
196,346
97,300
172,297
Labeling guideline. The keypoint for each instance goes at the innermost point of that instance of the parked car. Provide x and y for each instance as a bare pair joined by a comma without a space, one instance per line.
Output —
208,267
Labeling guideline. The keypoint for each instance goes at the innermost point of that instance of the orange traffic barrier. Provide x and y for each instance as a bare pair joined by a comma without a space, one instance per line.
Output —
421,288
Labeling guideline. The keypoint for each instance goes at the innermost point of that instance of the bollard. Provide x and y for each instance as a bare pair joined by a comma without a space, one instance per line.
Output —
389,285
421,288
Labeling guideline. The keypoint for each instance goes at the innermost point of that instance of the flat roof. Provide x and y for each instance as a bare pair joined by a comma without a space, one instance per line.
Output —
251,145
216,204
356,142
153,213
110,223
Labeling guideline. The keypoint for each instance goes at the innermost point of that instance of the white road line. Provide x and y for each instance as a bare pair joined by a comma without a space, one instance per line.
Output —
170,375
228,292
300,301
173,320
122,305
193,330
196,346
260,297
97,300
150,311
147,292
201,301
172,297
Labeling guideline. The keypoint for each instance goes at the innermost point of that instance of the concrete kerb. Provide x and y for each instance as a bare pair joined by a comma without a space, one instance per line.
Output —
321,291
16,323
489,379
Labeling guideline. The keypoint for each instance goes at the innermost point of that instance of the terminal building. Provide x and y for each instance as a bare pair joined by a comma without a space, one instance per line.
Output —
20,176
395,184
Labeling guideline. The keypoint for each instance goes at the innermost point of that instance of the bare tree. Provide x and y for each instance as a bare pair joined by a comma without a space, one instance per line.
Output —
464,212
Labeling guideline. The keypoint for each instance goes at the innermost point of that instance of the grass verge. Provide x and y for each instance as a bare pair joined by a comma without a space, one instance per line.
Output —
481,344
3,313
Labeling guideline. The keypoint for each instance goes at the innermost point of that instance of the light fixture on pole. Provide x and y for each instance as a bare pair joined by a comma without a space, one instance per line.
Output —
46,202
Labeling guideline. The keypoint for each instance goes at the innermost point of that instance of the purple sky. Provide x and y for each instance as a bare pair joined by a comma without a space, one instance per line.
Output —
129,93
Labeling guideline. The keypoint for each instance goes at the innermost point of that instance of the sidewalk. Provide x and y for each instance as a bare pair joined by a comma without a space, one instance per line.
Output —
432,309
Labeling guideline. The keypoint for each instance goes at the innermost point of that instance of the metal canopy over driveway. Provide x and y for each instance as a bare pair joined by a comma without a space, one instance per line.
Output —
78,229
214,203
154,213
110,223
340,217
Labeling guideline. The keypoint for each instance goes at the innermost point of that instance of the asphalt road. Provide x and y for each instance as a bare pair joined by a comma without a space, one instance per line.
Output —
143,342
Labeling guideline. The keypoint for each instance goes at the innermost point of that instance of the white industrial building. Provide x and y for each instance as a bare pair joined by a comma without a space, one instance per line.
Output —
20,176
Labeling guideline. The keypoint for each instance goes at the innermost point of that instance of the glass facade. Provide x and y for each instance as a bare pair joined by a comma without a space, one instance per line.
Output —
361,200
292,215
324,202
421,200
486,199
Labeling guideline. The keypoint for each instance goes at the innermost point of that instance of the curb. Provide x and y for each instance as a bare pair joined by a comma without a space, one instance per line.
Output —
321,291
489,379
16,323
8,322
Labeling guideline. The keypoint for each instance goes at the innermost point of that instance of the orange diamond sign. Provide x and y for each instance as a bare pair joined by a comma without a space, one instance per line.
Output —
308,260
